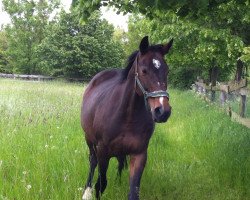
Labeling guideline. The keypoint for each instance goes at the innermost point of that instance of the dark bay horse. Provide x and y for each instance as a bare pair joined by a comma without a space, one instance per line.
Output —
119,111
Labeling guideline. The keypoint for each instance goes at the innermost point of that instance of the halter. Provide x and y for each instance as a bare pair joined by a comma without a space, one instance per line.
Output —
154,94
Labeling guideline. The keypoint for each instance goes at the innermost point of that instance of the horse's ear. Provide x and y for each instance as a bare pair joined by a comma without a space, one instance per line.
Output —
167,46
144,45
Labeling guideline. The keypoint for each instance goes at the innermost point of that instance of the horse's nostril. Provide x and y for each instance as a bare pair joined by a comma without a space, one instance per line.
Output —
161,115
158,111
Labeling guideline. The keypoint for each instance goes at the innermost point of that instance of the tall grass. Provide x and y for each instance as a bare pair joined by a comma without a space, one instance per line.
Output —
198,154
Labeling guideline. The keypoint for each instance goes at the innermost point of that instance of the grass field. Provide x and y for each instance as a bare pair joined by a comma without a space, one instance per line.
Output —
199,154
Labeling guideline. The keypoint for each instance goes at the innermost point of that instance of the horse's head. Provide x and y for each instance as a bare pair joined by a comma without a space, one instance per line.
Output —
151,72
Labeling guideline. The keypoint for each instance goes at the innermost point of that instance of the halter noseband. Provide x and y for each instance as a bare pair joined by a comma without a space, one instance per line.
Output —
154,94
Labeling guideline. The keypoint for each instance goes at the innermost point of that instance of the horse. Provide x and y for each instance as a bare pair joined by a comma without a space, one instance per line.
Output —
119,111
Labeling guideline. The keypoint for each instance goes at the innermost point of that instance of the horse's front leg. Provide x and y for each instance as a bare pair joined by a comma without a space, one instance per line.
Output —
87,195
137,164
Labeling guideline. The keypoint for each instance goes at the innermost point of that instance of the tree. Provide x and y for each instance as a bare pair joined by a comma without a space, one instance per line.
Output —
151,8
28,24
78,50
4,60
215,19
223,14
196,50
246,55
120,36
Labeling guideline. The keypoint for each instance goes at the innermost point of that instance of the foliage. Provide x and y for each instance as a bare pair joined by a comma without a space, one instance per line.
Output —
138,27
246,55
120,36
196,48
207,33
216,13
28,23
198,154
4,60
150,8
41,42
232,15
79,50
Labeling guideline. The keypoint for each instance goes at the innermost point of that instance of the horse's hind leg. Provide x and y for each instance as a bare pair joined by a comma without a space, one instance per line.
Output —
87,195
101,183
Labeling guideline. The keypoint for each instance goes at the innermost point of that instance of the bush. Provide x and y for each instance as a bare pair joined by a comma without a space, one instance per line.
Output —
72,49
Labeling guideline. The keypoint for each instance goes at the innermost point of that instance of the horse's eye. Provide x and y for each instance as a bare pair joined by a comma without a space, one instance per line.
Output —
144,71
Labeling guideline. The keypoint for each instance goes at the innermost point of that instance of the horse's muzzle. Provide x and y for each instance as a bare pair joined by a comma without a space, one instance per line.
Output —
160,114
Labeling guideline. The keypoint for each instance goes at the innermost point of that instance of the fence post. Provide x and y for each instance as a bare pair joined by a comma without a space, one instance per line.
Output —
224,90
214,71
196,87
212,95
243,103
223,97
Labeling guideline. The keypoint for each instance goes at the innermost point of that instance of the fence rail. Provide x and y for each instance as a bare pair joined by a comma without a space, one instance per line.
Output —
27,77
40,77
226,91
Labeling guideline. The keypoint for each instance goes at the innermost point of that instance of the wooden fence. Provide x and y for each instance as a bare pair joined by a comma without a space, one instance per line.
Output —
225,91
27,77
40,78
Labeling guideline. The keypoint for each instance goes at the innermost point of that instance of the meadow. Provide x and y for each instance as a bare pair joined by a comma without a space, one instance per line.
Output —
198,154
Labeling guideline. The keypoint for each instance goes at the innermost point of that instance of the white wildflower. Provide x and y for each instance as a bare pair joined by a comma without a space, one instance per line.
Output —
46,146
28,187
65,178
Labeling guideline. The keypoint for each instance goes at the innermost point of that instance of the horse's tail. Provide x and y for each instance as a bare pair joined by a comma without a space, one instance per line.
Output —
122,163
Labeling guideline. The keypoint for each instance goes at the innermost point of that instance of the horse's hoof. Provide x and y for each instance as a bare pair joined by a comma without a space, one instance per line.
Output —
87,195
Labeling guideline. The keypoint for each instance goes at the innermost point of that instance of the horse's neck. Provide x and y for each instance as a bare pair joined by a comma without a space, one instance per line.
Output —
132,101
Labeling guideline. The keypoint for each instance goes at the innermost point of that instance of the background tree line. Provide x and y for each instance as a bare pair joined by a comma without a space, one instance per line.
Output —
208,34
44,39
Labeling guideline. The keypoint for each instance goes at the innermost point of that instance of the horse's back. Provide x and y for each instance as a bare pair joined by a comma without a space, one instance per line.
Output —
101,83
102,77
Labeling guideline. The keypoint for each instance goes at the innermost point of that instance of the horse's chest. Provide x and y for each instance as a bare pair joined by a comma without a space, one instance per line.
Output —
130,142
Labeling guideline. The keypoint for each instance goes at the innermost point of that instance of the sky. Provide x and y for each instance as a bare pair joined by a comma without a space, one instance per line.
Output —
108,14
4,19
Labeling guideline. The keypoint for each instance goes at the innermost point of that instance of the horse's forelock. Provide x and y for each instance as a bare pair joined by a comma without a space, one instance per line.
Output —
132,57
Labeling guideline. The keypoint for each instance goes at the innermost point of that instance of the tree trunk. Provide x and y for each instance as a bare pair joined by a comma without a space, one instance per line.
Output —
239,71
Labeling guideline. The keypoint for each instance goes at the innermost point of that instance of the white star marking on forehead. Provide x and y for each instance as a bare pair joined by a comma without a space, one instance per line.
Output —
156,63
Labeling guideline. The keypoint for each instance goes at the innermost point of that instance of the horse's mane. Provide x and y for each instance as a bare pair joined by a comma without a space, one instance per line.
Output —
130,62
132,57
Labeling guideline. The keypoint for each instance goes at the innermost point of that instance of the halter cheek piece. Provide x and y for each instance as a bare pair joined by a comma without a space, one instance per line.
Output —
154,94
